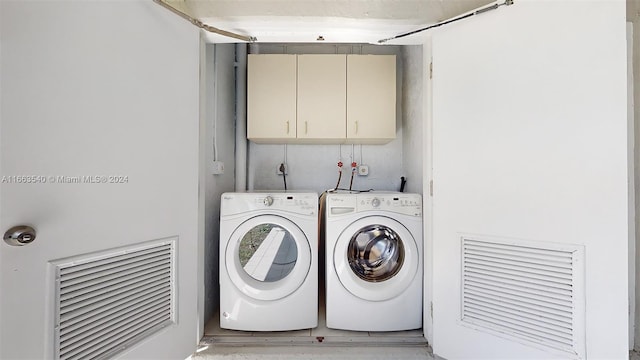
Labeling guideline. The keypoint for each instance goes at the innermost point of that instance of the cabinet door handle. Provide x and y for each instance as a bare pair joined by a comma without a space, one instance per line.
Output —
287,127
305,127
356,127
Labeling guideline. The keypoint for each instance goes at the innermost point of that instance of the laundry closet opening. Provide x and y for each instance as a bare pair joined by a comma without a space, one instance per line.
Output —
235,164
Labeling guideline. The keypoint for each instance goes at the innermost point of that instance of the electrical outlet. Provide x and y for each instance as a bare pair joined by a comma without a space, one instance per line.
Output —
286,169
217,168
363,170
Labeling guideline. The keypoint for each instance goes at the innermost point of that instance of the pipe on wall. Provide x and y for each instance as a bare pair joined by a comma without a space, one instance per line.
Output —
204,26
241,118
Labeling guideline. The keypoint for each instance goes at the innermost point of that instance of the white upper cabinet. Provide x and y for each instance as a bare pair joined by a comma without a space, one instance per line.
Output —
271,97
371,97
321,98
322,91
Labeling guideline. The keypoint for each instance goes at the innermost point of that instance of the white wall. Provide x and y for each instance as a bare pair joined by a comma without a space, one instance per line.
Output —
633,7
314,167
219,136
413,117
632,204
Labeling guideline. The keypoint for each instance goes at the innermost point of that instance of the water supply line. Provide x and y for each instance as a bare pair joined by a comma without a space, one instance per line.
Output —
204,26
340,164
473,13
354,167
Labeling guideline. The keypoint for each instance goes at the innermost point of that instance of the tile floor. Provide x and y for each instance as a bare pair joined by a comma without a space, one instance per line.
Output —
223,344
313,353
213,330
320,343
323,353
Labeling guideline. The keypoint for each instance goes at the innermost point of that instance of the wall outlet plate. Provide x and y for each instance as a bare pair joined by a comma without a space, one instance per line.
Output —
286,169
363,170
217,168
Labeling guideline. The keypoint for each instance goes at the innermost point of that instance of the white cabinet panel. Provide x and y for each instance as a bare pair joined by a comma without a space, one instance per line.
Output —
321,96
371,97
271,97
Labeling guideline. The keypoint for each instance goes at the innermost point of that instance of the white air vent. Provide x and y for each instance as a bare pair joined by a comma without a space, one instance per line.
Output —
529,292
108,302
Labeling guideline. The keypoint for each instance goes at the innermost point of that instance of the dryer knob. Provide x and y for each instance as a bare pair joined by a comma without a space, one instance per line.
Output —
268,201
375,202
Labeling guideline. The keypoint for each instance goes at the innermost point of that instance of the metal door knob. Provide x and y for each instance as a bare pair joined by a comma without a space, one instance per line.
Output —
20,235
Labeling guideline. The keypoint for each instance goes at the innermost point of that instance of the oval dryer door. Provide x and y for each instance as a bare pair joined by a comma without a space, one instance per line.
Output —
376,258
268,257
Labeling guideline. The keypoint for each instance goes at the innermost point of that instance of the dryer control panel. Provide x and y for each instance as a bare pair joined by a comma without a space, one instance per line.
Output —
297,203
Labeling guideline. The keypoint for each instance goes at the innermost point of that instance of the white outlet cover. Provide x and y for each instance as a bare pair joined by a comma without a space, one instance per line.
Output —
217,168
363,170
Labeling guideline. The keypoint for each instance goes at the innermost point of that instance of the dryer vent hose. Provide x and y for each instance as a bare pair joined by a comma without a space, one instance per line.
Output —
284,175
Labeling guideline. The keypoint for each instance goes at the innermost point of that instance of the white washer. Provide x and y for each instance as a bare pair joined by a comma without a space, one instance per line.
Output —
269,261
374,261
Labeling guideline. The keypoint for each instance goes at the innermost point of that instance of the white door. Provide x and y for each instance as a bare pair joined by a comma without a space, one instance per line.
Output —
530,183
99,153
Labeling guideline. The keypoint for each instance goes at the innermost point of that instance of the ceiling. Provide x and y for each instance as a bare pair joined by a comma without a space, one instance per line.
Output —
337,21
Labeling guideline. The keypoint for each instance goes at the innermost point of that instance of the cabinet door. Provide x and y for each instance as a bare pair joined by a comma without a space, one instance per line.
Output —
321,96
271,97
371,97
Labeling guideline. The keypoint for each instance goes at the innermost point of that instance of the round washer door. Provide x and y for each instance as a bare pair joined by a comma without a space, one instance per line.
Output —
268,257
376,258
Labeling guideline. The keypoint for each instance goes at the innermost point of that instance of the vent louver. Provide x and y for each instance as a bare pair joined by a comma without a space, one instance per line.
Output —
106,303
528,292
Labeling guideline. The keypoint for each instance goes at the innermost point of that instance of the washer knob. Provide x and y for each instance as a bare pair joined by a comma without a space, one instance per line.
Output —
375,202
268,201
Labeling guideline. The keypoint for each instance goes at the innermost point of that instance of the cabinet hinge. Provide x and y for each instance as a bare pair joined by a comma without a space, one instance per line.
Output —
431,187
431,70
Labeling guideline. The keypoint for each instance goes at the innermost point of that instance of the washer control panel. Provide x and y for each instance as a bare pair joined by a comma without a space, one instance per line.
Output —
408,204
401,203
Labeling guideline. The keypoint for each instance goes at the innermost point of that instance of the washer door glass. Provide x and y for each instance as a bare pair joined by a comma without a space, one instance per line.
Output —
375,258
375,253
268,252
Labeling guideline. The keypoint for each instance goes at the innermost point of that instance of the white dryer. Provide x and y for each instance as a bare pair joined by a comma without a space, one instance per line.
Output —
268,261
373,261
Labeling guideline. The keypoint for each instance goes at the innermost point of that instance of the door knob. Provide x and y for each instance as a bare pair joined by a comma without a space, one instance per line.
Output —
20,235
